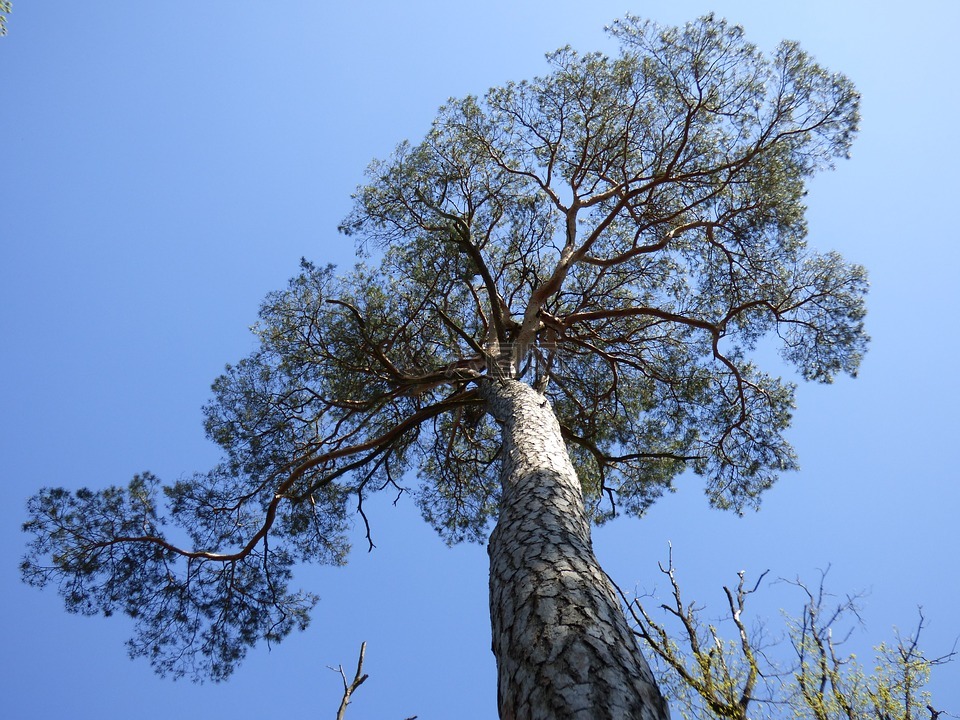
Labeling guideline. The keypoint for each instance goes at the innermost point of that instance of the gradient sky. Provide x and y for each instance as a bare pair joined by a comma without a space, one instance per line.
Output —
165,165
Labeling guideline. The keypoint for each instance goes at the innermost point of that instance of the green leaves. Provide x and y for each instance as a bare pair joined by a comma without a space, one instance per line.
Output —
639,219
823,330
194,613
59,518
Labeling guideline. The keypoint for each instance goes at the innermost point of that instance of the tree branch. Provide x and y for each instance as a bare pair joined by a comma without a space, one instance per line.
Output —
358,679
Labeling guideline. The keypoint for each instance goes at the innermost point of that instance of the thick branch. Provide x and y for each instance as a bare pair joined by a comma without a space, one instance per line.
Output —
297,472
461,237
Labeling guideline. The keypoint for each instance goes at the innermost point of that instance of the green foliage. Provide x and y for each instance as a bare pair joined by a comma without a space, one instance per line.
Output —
620,233
106,554
706,676
636,225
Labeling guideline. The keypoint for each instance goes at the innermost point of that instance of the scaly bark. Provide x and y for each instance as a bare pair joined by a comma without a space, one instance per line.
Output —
563,646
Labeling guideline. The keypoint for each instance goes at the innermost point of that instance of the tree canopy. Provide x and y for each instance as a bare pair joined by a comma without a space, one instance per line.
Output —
620,233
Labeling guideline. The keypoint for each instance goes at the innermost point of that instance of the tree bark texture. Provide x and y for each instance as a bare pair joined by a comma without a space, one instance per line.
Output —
563,646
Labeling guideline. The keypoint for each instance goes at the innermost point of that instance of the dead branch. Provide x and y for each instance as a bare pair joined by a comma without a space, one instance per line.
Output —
358,679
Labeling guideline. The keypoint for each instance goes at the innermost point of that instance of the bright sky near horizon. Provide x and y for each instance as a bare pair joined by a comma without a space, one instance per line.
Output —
165,165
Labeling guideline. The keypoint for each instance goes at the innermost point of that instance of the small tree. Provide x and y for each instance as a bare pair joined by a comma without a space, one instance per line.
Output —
707,676
562,286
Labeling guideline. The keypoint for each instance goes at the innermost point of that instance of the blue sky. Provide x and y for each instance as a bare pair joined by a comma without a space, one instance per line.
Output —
165,165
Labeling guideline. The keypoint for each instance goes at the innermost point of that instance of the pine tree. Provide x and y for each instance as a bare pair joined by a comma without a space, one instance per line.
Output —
560,290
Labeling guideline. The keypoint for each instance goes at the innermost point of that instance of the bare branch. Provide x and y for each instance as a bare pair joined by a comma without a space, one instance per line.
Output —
349,688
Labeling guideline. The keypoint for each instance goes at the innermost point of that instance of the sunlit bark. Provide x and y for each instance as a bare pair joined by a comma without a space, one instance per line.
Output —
563,645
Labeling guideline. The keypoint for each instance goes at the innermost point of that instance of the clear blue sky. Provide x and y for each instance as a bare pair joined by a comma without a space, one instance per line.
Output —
164,165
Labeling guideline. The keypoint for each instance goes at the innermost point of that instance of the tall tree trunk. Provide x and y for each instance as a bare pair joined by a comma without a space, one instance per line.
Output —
563,646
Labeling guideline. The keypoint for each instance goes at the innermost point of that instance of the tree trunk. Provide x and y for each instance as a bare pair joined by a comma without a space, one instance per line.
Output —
563,646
